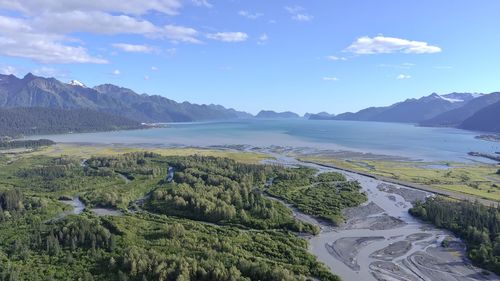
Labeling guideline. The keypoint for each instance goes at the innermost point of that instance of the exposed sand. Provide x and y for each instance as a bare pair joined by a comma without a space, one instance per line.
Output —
410,195
392,251
346,249
382,222
418,236
384,270
363,211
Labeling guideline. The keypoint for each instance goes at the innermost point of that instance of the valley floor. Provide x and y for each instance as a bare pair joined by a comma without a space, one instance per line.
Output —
379,241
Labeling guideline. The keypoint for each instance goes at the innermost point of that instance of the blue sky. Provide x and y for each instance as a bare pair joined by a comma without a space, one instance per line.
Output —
304,56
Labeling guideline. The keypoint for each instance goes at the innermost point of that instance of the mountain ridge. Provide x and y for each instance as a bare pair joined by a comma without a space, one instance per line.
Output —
486,119
273,114
411,110
455,117
35,91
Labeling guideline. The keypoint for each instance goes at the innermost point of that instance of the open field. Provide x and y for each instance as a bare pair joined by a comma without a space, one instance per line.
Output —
479,180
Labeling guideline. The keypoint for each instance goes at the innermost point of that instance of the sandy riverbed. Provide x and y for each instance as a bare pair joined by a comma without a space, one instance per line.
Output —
381,241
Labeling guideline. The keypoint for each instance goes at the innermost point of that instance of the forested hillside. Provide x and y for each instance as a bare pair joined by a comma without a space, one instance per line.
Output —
477,224
36,120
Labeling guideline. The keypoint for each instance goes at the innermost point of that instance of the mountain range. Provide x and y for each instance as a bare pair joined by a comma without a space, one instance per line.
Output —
455,117
462,110
321,116
269,114
469,111
34,91
411,110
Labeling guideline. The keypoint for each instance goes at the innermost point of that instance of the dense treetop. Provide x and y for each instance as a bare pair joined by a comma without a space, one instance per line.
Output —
477,224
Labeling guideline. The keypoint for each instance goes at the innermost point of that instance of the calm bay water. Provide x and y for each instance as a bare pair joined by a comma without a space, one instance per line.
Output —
430,144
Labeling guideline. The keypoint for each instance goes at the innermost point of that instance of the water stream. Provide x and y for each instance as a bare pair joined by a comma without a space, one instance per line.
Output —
382,241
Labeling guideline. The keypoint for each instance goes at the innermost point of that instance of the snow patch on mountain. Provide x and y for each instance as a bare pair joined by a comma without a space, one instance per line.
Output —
451,100
77,83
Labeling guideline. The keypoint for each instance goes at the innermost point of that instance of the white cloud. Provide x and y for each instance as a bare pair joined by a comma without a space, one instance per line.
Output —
177,34
330,78
134,48
263,39
250,15
335,58
116,72
403,77
103,23
93,22
18,39
385,45
8,70
302,17
202,3
41,29
298,13
154,68
45,51
134,7
146,77
228,36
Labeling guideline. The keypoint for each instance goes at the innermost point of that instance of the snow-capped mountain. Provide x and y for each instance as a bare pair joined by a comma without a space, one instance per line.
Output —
77,83
411,110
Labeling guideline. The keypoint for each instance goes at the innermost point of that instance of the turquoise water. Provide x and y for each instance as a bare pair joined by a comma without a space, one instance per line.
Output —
430,144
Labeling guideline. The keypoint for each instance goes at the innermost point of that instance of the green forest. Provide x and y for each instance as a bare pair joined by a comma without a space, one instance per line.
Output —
36,121
323,196
10,144
214,221
476,224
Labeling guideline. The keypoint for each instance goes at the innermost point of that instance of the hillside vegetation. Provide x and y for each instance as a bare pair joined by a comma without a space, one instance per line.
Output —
36,120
